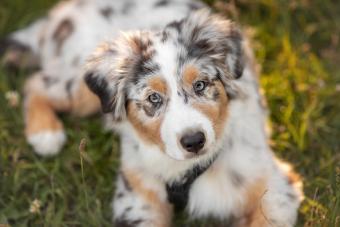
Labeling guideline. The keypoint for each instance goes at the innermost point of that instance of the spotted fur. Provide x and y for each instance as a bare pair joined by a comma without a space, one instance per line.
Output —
59,44
207,49
182,93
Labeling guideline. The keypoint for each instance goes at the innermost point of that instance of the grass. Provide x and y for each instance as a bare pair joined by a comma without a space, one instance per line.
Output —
297,45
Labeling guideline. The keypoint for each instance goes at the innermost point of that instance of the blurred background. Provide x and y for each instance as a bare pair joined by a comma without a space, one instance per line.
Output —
296,43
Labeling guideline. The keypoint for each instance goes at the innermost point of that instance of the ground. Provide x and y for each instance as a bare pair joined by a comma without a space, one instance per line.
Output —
297,46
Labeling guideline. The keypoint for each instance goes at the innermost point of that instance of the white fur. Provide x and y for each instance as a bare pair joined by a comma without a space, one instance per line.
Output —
176,122
47,143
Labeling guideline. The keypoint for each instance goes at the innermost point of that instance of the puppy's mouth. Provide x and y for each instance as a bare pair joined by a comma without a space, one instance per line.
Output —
186,156
189,155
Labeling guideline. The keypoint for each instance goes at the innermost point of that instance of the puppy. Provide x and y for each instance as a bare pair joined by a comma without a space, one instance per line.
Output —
186,104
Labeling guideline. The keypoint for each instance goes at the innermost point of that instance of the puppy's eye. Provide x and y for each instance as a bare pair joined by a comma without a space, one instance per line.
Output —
155,98
199,86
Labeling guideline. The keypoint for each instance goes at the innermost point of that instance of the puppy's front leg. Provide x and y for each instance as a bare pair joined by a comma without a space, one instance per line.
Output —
140,201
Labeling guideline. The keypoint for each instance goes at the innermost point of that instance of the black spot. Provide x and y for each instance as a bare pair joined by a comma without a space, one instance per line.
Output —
181,40
186,97
216,77
199,49
127,210
75,61
62,32
136,222
122,222
149,110
177,25
99,86
195,5
216,95
162,3
236,178
165,36
68,87
23,56
182,58
139,105
291,196
119,195
49,81
146,68
140,70
127,7
239,57
107,12
125,182
10,44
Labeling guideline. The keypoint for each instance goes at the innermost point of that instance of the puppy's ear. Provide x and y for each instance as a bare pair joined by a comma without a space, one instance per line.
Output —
215,37
110,69
102,78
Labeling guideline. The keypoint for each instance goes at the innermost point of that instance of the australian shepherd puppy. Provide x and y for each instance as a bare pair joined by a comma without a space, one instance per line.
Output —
182,92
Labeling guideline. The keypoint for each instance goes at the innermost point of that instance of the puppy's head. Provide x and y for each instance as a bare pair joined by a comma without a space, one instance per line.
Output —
173,86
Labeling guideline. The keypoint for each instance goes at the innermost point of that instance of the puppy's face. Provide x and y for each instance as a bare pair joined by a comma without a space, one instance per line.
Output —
173,86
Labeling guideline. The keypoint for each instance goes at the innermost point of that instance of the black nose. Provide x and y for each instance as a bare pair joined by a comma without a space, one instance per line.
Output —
193,142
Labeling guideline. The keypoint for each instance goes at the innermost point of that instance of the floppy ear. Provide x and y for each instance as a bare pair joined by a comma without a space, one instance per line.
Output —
215,37
111,68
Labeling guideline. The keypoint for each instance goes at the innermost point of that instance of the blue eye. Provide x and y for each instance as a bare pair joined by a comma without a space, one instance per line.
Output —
155,98
199,86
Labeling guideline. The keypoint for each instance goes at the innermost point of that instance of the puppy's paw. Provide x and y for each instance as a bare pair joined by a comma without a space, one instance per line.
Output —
47,143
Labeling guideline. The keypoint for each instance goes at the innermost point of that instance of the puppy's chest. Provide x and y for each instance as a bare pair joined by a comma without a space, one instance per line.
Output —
178,191
208,190
219,192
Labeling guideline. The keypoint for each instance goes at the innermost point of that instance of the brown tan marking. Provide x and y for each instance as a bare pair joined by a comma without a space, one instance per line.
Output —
40,116
149,131
190,74
163,208
158,84
216,112
292,176
84,101
255,210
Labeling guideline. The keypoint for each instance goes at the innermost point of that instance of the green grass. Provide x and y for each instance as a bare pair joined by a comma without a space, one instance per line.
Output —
297,45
